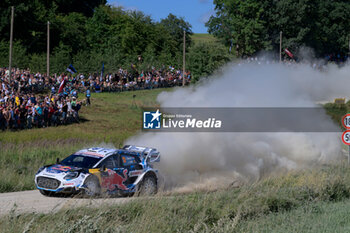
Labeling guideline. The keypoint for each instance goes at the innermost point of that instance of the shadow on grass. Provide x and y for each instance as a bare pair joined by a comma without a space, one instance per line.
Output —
80,195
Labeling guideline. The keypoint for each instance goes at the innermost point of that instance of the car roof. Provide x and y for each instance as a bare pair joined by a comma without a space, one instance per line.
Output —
97,152
101,152
140,149
127,152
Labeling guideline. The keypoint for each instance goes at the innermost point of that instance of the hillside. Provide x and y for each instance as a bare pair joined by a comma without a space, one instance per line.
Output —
203,37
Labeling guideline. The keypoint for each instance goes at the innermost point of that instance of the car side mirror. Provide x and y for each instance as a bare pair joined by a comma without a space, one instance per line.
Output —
103,168
57,160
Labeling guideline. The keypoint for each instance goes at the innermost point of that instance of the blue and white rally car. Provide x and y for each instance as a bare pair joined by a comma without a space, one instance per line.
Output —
96,171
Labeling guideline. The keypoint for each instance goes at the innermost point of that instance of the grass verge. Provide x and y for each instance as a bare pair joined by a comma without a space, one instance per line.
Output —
309,200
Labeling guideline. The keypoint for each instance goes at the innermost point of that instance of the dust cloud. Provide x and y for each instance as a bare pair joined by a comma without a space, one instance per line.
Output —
197,160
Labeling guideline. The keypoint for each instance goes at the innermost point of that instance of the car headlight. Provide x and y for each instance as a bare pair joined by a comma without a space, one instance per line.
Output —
40,170
71,175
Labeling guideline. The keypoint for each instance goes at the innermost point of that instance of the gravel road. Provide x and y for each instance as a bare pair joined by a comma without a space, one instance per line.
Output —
33,201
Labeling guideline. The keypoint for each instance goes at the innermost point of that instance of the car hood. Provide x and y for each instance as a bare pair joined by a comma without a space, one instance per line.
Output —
58,168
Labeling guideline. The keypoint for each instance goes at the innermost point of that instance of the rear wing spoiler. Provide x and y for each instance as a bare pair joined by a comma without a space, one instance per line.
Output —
149,154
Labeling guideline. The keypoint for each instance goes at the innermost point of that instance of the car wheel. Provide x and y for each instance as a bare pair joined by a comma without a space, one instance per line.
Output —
46,193
92,187
148,186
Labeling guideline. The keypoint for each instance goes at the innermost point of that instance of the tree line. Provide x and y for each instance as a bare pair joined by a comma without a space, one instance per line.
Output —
87,34
249,26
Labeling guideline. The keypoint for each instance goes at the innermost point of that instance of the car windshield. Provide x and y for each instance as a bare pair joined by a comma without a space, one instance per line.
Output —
82,161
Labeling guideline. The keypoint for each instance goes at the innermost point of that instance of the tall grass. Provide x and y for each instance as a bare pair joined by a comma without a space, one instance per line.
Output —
230,210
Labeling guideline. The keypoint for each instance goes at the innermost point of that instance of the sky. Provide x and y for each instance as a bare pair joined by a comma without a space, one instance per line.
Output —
196,12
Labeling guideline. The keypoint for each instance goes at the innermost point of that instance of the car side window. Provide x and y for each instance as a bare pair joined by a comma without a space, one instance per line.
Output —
110,162
128,160
78,159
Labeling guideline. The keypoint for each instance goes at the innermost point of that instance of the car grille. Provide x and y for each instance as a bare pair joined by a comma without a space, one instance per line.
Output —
47,183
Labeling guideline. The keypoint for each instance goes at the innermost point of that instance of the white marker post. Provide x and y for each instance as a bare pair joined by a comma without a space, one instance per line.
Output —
346,135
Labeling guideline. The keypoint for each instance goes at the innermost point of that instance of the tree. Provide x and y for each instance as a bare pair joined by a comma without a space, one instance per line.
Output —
176,26
296,20
240,23
90,36
99,27
255,25
332,29
31,17
206,57
85,7
60,58
72,30
19,58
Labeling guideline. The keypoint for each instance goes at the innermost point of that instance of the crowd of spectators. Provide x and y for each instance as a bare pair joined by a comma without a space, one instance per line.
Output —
32,99
124,80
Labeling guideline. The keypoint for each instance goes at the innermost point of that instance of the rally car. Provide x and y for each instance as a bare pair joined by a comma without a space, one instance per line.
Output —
96,171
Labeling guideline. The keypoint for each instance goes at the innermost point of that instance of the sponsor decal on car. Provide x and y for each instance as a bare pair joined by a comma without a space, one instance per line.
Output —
66,184
114,180
93,154
48,174
58,168
135,173
62,168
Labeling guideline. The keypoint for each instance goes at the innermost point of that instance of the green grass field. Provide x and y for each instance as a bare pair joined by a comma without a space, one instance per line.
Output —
203,37
313,200
112,118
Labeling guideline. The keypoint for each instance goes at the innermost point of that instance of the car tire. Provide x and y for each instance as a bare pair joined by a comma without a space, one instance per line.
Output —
46,193
148,186
92,187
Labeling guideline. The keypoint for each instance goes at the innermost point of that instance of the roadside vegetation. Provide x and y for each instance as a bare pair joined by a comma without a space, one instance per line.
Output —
314,200
337,111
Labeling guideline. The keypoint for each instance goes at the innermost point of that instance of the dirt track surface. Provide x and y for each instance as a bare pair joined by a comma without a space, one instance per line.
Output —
34,202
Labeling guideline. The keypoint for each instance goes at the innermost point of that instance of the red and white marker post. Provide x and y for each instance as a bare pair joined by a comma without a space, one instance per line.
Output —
346,134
